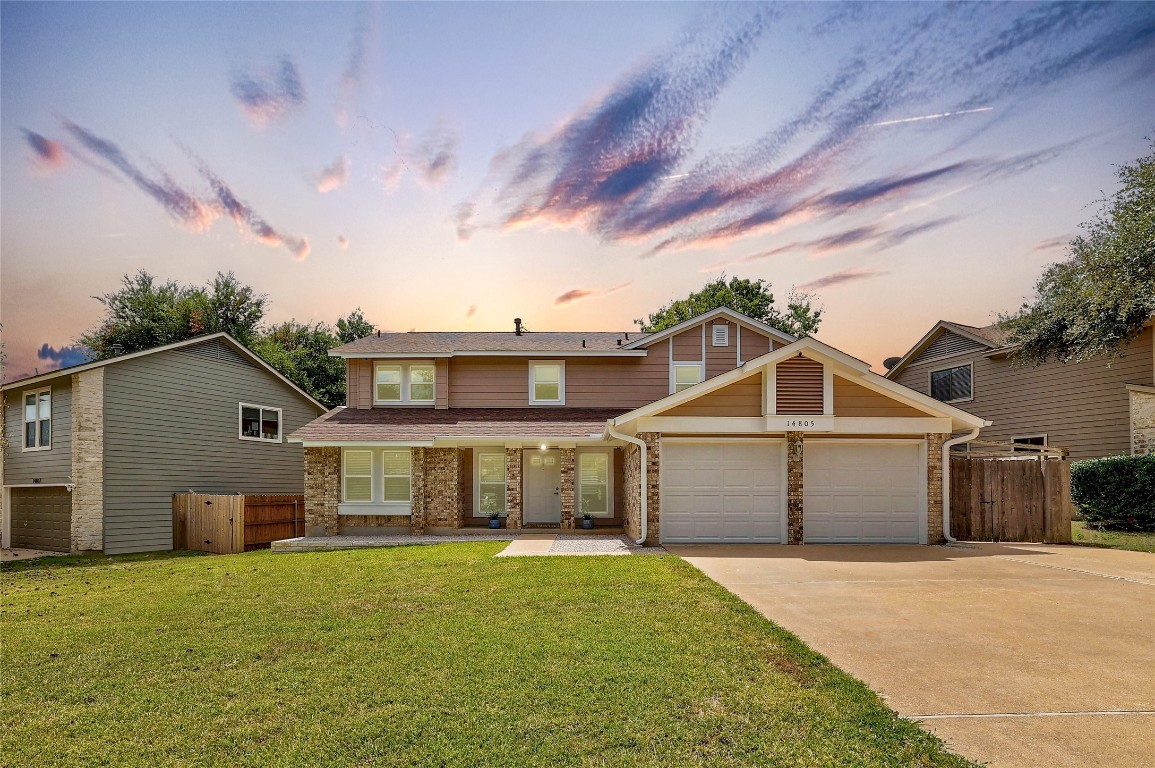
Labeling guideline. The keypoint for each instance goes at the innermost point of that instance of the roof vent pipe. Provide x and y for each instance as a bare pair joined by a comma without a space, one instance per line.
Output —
583,343
378,334
517,326
619,342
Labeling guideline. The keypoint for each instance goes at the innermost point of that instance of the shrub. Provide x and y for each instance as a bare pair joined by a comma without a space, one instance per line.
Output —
1116,492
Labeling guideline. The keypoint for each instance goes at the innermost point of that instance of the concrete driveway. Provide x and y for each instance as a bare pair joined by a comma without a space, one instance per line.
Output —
1014,654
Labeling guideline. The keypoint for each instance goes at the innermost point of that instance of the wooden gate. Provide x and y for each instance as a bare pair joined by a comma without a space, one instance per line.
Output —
230,523
1011,498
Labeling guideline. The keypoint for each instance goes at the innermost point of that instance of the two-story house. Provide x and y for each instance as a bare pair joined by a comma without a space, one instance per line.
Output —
1093,408
719,429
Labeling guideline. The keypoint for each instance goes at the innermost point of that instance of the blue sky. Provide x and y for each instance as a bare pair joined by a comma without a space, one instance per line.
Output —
451,166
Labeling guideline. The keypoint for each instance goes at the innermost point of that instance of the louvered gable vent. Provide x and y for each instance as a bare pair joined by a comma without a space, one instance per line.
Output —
798,386
947,344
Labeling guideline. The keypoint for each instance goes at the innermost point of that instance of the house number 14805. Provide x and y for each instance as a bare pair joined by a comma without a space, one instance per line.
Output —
800,423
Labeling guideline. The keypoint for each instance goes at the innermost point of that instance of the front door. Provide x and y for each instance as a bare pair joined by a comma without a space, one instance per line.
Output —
542,502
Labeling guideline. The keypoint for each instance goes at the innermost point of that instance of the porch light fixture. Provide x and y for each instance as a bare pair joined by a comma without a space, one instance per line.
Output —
543,446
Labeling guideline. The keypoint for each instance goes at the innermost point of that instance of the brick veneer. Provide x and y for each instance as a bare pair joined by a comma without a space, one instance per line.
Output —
568,458
631,490
794,492
934,469
87,530
322,491
513,488
631,478
418,487
442,488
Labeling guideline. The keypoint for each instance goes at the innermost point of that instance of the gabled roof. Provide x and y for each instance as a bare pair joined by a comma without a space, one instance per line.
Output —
990,336
449,343
223,337
844,365
725,312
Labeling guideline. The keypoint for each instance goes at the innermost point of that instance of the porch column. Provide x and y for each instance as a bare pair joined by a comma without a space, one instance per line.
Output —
568,458
322,491
418,492
442,488
934,496
794,488
513,488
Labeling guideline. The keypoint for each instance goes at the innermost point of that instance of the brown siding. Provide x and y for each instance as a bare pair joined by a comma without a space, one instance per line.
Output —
754,343
742,398
441,383
798,385
852,399
1080,406
720,359
359,383
688,344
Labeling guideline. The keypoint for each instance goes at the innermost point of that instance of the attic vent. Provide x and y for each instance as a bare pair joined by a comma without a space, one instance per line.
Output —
798,386
721,335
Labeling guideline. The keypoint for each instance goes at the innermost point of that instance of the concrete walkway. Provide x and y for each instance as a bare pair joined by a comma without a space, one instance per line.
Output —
1015,654
330,543
19,553
550,544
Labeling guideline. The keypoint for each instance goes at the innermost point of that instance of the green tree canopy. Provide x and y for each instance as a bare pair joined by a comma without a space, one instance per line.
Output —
752,298
1099,298
301,353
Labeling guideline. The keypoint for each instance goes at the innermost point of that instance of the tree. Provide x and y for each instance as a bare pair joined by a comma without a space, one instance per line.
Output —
301,353
354,327
750,297
1098,299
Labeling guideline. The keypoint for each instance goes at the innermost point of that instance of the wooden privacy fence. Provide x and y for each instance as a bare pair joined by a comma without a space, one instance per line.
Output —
1011,499
230,523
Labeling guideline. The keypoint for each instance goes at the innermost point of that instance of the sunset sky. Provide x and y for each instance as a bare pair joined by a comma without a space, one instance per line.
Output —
451,166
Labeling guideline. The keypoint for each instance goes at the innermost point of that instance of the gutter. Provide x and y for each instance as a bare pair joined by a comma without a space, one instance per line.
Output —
946,478
644,472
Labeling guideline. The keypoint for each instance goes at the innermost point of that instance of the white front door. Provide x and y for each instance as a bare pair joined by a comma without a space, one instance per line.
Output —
870,492
542,502
723,491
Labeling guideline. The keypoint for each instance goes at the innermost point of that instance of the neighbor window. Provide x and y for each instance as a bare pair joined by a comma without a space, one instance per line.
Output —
547,383
952,384
395,471
594,484
358,476
1040,440
490,483
260,423
38,420
397,383
686,375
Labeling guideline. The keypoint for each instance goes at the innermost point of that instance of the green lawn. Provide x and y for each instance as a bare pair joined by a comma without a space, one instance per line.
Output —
1091,537
437,655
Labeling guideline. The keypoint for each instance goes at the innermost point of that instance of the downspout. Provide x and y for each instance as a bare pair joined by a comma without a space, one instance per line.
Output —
643,471
946,480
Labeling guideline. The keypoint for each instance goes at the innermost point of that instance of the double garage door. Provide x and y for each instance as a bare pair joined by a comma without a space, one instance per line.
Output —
735,491
41,518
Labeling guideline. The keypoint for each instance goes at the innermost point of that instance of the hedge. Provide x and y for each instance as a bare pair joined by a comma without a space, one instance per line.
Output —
1116,492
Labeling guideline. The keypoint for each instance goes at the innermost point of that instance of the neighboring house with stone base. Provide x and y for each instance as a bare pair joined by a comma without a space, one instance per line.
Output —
1093,408
719,429
96,451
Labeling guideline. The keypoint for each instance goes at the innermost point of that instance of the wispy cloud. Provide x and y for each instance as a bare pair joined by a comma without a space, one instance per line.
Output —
1053,243
47,155
356,63
269,94
62,357
431,158
248,220
849,275
578,294
333,175
342,242
471,311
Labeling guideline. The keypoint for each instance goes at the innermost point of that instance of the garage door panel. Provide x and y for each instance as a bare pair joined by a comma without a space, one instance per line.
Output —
862,492
41,518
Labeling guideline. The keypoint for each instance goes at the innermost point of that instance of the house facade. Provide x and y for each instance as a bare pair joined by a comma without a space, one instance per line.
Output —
95,452
1092,408
720,429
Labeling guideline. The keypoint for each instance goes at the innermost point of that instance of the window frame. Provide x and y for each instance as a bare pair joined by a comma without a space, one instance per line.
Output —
674,366
345,476
533,365
36,393
930,382
375,504
260,421
405,386
477,454
409,475
608,453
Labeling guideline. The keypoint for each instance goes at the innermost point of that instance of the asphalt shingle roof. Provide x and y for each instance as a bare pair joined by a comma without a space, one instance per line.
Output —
446,342
373,424
991,333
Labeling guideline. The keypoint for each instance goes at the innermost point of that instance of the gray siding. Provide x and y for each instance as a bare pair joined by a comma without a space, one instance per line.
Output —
948,343
1080,406
51,466
171,424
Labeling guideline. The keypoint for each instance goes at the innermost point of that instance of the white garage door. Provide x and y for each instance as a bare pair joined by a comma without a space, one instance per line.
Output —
862,492
715,492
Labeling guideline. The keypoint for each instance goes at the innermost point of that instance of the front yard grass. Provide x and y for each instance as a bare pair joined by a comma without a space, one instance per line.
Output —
1089,536
416,656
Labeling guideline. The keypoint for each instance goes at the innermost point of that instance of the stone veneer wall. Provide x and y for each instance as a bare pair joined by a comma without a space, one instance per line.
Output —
322,491
934,469
794,493
1142,422
632,490
88,461
568,459
513,488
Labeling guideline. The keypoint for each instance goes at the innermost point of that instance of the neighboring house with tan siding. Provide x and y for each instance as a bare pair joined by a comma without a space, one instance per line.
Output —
719,429
1093,408
95,451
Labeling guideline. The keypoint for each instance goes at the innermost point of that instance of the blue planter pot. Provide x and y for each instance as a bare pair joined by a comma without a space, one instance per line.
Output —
495,522
587,524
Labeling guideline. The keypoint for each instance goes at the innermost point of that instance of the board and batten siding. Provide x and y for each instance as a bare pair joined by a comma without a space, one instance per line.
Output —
50,467
171,425
1080,406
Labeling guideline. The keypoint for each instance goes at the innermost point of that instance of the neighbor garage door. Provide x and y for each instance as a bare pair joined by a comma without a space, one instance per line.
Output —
41,518
723,491
861,492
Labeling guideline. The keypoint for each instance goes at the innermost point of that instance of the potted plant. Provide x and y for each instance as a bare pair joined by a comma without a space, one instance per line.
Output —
494,519
587,521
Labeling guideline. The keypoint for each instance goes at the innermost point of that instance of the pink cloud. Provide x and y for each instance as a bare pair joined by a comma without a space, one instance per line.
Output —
333,175
47,155
571,296
342,242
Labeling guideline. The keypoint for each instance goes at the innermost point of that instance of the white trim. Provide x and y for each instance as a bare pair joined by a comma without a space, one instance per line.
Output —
623,352
737,317
477,453
756,425
932,371
260,423
703,345
827,390
770,390
608,452
24,420
674,366
236,345
738,351
560,382
930,336
361,443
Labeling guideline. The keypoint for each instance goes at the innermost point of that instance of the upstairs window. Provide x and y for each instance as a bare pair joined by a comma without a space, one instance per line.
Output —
547,382
260,423
38,420
686,375
398,383
952,385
